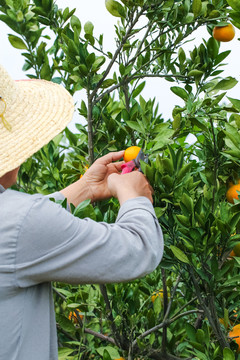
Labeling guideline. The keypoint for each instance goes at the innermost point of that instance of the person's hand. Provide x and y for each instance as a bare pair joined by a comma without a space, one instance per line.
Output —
95,178
129,186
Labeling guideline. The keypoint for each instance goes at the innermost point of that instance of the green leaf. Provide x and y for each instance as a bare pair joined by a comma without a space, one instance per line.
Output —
213,48
235,4
221,57
115,8
179,92
197,7
16,42
184,220
45,72
63,353
226,84
64,292
10,22
179,254
111,351
108,82
200,336
195,73
228,354
157,305
232,133
235,102
98,63
191,331
138,89
188,202
164,134
65,323
75,23
160,211
183,171
234,280
135,126
73,305
88,28
90,60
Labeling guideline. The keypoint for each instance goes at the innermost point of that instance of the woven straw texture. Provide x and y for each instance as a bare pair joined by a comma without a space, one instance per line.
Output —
37,110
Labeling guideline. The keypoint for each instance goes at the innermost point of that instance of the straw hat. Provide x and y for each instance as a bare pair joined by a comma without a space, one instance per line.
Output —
32,112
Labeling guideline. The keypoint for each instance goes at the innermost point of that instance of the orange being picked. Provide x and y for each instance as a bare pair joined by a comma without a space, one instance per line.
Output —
232,192
236,334
131,153
72,316
224,33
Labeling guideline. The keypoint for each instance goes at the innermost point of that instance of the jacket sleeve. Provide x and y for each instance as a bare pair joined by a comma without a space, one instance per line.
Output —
53,245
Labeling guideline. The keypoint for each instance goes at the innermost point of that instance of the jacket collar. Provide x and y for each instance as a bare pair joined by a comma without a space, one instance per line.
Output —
1,189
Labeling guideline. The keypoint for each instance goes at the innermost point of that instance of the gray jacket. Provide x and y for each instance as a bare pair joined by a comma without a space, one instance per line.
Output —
41,242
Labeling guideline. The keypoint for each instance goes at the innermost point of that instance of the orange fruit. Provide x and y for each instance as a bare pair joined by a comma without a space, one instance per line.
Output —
121,358
232,192
232,253
236,332
86,167
224,33
156,294
131,153
72,316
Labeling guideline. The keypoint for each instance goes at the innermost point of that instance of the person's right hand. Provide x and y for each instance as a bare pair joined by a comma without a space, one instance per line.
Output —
129,186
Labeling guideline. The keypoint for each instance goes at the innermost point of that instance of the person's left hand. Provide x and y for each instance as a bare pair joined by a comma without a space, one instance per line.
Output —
95,177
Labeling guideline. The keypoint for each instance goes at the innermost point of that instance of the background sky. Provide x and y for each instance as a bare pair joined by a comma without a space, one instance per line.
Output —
95,11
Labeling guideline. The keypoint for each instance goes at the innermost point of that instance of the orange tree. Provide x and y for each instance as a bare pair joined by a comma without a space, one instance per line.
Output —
198,281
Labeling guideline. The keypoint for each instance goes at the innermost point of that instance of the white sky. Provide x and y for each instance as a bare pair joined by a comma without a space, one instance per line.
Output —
95,11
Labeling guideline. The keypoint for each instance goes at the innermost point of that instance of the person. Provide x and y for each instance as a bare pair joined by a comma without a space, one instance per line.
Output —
41,242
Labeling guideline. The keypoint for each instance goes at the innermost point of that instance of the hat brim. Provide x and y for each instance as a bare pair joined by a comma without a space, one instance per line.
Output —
40,111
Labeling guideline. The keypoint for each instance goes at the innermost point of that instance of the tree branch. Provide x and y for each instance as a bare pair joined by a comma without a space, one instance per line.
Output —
128,32
166,322
118,340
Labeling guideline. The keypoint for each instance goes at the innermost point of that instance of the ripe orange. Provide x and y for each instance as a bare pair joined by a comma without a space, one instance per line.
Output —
131,153
224,33
86,167
232,192
236,332
232,253
72,316
156,294
121,358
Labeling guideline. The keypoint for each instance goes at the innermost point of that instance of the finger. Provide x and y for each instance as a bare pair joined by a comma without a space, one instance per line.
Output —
109,158
118,165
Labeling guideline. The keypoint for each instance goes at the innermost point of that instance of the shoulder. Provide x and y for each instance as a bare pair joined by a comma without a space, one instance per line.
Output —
16,202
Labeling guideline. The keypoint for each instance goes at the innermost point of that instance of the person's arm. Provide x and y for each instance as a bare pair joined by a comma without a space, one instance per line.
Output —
53,245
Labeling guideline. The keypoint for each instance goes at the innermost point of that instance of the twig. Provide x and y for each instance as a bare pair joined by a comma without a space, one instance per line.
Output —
128,32
166,322
116,335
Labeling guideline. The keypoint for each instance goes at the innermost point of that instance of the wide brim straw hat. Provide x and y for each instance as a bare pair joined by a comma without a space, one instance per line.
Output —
32,112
